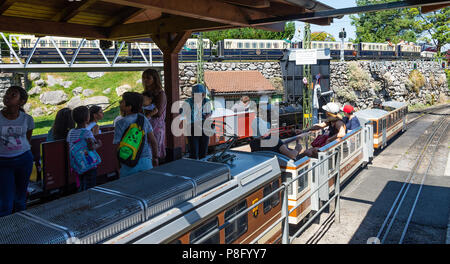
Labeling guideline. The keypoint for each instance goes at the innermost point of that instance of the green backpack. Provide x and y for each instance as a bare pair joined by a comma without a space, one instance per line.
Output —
131,144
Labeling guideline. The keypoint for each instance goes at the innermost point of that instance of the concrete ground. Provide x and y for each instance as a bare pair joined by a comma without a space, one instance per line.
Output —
368,196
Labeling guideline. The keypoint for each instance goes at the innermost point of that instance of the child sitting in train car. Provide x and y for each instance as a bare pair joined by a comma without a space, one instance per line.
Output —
95,115
130,108
88,178
16,159
149,107
61,126
350,120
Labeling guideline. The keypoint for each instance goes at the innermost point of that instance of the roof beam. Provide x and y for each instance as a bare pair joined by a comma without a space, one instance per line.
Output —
349,11
124,15
5,4
250,3
211,10
431,8
50,28
158,26
73,9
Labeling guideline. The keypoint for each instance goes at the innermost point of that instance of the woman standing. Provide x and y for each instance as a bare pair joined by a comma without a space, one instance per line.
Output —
152,83
16,160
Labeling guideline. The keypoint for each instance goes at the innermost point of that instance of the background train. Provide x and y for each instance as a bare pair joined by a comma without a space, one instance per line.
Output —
234,201
225,50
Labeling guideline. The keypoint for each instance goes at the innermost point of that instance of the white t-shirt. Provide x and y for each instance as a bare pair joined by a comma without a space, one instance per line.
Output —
13,135
75,133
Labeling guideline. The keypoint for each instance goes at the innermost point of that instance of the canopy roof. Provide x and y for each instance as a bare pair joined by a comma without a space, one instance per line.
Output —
138,19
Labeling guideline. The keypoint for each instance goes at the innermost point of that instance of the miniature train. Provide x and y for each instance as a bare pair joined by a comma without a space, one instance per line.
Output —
234,201
224,50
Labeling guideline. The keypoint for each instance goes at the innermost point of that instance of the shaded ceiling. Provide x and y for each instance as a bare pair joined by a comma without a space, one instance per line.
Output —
137,19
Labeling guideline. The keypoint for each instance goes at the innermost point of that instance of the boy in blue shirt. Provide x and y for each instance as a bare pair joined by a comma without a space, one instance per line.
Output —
350,120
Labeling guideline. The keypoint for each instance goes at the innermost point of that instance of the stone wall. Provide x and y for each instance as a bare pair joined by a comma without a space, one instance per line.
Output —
359,83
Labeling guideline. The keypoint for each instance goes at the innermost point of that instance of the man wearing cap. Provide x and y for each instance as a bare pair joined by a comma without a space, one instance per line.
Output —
350,120
336,127
377,103
200,111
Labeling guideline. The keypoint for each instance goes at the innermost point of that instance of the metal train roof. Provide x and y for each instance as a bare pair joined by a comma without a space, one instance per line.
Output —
394,104
371,113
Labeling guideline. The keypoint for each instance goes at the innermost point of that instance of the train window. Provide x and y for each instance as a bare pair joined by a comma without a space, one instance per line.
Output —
261,45
314,45
205,229
358,141
239,226
337,46
380,126
285,45
352,144
268,203
43,43
384,123
320,45
268,45
275,197
325,45
247,45
64,43
275,45
375,124
254,45
240,45
302,181
26,43
74,43
285,177
345,149
228,44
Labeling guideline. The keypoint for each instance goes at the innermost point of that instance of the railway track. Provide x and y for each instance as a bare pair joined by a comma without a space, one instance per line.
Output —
396,223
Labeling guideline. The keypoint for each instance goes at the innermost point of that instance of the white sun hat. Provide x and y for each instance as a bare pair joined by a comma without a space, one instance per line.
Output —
331,108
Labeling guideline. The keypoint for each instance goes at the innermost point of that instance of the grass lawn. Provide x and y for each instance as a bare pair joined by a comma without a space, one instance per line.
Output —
109,80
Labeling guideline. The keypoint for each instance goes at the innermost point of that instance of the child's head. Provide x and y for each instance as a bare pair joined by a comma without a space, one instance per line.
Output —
63,123
15,96
80,115
147,98
96,113
131,103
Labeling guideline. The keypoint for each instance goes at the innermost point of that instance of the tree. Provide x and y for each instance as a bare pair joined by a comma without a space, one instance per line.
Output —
395,24
250,33
322,36
436,24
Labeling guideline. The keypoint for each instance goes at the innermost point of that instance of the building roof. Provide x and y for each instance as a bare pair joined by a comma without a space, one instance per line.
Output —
232,82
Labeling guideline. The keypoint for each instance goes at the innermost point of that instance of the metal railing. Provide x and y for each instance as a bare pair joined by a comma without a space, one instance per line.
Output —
285,212
22,63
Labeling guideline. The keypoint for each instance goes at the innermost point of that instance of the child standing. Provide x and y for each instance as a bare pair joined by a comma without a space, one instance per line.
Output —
130,107
16,159
96,114
81,117
149,108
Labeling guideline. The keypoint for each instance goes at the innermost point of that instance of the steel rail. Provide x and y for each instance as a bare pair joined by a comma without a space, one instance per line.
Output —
420,187
406,184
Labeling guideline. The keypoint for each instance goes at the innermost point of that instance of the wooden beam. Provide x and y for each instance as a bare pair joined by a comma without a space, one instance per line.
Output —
250,3
431,8
5,5
211,10
73,9
49,28
162,25
170,44
124,15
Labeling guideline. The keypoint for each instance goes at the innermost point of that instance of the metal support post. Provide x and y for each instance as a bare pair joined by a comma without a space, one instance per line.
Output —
342,36
337,188
307,94
285,214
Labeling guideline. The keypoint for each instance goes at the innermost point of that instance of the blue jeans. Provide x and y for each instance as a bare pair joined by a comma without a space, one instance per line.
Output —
14,177
198,146
144,163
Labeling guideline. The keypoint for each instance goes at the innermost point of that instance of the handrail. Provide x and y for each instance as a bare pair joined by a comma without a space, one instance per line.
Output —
285,209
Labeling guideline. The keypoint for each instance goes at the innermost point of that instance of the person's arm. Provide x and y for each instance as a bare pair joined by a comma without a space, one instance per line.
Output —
154,146
339,135
95,129
29,134
153,112
93,144
161,103
313,128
